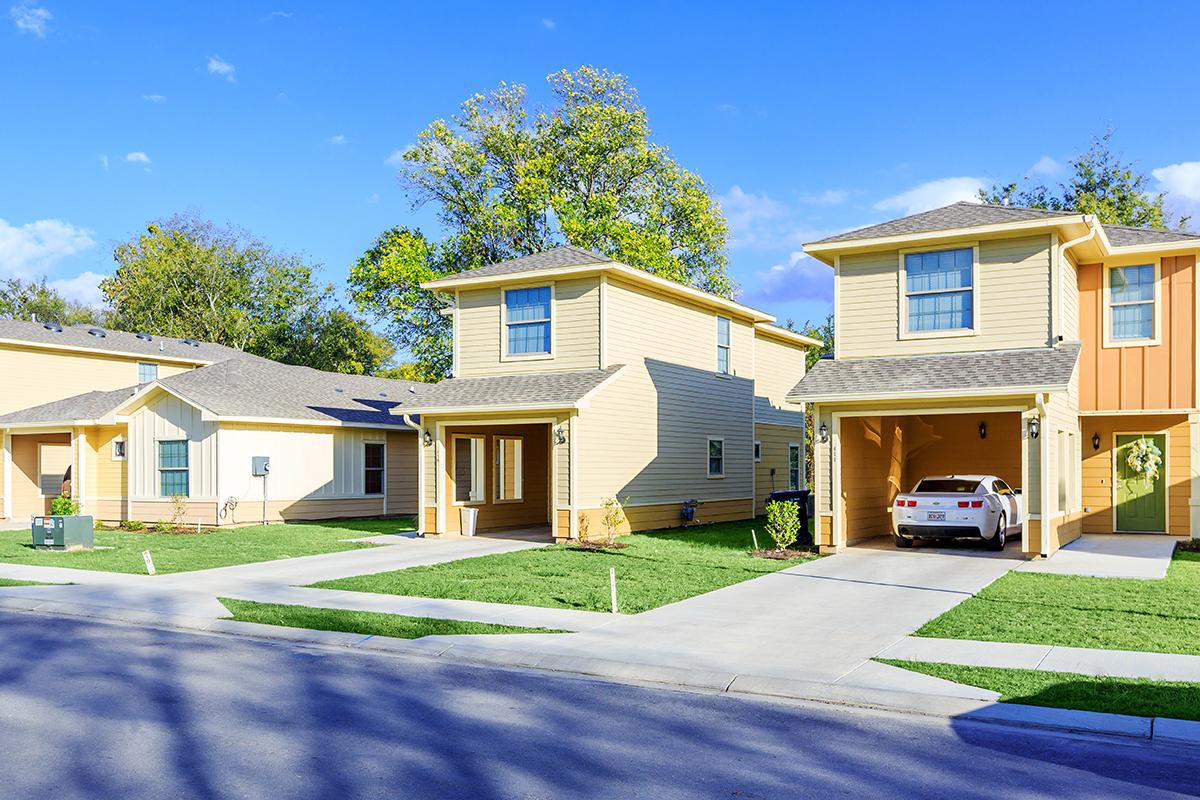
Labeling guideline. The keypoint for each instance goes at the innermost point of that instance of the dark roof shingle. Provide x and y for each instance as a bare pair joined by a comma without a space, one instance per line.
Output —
156,347
92,405
567,256
898,376
541,389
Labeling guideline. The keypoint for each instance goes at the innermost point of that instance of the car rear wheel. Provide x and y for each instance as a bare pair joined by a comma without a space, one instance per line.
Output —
1000,537
902,541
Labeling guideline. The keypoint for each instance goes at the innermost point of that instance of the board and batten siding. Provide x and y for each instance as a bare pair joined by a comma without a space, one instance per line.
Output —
576,330
1013,298
644,437
34,376
168,417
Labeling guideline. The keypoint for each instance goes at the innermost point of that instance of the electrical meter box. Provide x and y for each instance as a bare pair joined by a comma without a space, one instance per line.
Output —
63,532
260,466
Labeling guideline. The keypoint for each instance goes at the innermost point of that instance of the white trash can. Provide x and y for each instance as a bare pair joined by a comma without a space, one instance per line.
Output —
467,518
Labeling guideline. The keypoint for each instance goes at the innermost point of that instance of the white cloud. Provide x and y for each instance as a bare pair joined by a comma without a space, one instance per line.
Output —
31,19
1046,166
548,23
829,197
338,139
395,160
137,157
157,99
280,15
83,288
933,194
216,66
1181,181
38,246
373,199
762,222
801,278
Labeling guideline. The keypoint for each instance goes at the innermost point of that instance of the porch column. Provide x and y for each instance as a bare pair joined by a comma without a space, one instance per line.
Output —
79,476
7,467
1194,475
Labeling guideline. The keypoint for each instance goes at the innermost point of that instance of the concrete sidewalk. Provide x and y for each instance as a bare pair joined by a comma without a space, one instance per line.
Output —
1048,658
1146,556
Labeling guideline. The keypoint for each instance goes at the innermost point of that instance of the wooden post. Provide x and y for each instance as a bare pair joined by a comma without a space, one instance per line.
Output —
612,585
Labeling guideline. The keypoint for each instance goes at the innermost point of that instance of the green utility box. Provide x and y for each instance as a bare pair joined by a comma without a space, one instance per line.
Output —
63,532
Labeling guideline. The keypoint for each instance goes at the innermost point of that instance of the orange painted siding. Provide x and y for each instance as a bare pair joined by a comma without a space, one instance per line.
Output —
1154,377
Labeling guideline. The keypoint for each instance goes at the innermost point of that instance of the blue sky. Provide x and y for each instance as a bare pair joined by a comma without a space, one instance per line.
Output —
805,119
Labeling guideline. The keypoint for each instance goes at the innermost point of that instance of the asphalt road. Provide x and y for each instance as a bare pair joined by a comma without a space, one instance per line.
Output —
105,711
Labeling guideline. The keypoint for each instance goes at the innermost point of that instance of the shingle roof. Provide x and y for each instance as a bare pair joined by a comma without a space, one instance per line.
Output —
969,215
541,389
160,347
567,256
897,376
92,405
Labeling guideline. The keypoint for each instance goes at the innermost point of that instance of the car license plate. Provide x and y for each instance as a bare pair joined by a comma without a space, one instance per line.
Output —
936,516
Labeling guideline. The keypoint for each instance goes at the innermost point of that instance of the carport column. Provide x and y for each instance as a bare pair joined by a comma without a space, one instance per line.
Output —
7,512
79,476
1194,475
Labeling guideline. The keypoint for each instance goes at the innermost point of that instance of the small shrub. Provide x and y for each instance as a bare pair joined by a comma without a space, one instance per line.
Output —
134,525
63,506
163,526
179,510
584,524
614,518
783,523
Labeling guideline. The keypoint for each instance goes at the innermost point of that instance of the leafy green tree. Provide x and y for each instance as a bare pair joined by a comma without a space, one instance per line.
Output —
187,277
1100,183
507,181
37,300
822,330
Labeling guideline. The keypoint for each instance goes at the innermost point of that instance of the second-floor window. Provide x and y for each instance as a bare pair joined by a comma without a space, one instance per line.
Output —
723,341
147,372
1131,302
939,290
527,321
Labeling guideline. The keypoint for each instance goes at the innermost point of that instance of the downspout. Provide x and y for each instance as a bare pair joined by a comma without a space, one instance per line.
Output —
1043,474
1093,229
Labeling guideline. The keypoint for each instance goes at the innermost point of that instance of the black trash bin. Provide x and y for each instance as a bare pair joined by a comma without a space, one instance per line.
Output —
801,498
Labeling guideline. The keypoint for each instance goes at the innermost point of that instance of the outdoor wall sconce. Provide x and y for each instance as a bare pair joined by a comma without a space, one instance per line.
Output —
823,433
1035,428
560,436
427,438
983,430
1095,441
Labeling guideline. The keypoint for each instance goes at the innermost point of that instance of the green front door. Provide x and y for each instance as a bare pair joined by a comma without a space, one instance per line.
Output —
1141,502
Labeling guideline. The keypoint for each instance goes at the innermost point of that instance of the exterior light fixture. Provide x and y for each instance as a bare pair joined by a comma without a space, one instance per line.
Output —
560,436
427,438
1035,427
823,433
983,430
1095,441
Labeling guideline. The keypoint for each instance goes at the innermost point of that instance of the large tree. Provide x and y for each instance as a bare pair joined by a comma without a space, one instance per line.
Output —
1100,183
506,181
37,300
186,276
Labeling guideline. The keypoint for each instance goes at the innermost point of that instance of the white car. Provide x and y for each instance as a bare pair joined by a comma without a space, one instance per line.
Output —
958,507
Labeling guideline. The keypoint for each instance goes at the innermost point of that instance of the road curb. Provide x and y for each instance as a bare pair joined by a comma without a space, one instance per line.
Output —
1173,731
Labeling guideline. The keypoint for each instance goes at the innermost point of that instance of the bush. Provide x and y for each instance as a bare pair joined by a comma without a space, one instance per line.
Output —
63,506
163,526
783,523
134,525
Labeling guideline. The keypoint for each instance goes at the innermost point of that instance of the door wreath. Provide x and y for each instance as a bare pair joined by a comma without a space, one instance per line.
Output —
1144,459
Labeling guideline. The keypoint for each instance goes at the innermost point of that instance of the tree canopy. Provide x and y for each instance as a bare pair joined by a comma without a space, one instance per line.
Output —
37,300
187,277
506,181
1100,183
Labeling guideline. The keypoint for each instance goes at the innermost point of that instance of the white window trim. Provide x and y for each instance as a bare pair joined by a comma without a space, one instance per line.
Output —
902,286
707,450
383,470
519,478
728,348
757,451
113,448
1109,341
478,468
504,290
799,466
141,364
158,468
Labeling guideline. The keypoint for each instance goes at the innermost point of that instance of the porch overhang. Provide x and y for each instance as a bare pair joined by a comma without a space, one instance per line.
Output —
511,394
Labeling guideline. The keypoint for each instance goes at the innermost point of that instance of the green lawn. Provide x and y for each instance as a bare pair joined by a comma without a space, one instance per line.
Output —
212,548
653,570
1107,613
368,623
11,582
1134,696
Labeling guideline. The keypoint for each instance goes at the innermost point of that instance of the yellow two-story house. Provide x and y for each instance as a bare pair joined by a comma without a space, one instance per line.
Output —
1043,347
578,379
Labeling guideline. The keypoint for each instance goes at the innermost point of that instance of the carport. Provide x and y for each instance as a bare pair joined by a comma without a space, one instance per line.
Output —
885,453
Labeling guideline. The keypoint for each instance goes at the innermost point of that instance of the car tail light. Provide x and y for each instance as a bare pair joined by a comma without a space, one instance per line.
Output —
909,503
976,504
963,504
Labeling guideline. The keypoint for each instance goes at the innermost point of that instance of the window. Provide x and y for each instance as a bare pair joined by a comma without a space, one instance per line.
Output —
757,452
947,486
509,468
468,469
939,290
716,458
794,467
173,468
1001,487
54,467
147,372
527,321
1131,302
723,345
118,449
373,468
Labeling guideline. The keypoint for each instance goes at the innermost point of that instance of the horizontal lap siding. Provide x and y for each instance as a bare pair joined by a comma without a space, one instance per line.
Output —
576,342
778,367
402,458
1013,301
775,441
